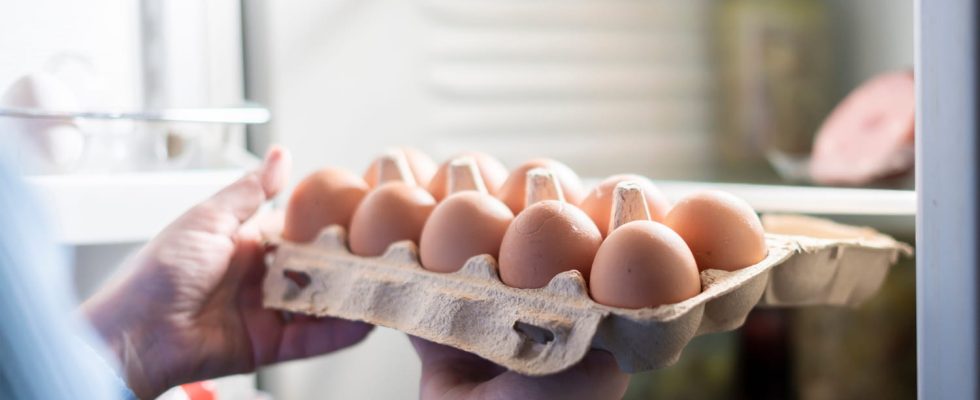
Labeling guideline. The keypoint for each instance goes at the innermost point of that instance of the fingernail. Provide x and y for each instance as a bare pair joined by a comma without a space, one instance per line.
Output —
275,169
271,156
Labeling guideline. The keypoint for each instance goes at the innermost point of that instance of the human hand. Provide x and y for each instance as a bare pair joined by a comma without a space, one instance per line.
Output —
191,306
448,373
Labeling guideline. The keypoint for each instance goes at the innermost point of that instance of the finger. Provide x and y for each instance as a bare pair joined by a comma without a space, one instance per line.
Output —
449,373
597,376
270,224
435,356
275,170
307,337
243,197
247,265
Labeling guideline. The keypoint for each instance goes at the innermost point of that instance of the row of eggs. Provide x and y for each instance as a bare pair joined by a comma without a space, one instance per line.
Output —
634,248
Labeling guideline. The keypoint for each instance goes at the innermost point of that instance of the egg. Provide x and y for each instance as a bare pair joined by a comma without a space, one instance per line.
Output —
420,164
492,173
548,237
463,225
326,197
469,222
723,231
394,211
56,145
513,191
598,202
643,264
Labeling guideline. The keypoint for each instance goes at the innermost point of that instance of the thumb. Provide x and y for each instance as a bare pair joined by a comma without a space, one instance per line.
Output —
244,197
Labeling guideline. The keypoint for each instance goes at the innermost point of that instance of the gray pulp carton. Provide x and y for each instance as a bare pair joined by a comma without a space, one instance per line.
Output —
543,331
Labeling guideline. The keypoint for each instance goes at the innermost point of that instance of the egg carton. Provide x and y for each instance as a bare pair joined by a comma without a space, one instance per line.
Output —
544,331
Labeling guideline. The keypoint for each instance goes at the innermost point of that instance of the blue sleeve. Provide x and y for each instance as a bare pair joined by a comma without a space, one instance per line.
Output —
106,368
47,350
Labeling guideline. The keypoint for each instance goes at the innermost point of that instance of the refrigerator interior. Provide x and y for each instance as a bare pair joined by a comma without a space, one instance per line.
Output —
636,90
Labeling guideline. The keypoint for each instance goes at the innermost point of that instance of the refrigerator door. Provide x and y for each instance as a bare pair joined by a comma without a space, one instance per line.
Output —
947,178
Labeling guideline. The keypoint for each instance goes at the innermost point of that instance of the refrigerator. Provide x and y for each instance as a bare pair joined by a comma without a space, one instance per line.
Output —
607,87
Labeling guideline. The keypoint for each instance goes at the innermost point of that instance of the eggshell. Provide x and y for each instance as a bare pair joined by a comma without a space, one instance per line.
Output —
643,264
513,191
492,172
463,225
326,197
57,145
723,231
419,163
545,239
393,212
599,201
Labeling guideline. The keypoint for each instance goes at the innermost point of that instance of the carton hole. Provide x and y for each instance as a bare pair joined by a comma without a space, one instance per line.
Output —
834,253
537,334
301,279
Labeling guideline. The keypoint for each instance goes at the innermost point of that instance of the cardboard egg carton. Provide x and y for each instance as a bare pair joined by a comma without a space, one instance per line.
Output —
543,331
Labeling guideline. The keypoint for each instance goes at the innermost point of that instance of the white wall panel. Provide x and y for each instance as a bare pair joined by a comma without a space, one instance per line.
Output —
620,84
96,40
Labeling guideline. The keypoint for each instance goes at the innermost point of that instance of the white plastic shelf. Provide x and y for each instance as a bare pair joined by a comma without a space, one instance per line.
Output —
133,207
123,208
806,199
889,211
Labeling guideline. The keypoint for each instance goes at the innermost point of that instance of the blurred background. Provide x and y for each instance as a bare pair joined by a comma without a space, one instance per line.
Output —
700,90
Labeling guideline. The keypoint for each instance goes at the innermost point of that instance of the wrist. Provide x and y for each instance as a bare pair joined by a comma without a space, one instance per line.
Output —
120,328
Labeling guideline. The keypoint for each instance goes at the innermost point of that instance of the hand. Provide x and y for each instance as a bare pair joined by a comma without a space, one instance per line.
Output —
448,373
191,306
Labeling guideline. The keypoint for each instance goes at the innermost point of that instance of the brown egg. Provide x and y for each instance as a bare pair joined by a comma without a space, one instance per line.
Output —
643,264
420,164
598,203
723,231
513,191
547,238
325,197
492,172
468,223
394,211
463,225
